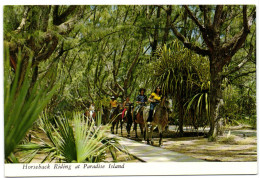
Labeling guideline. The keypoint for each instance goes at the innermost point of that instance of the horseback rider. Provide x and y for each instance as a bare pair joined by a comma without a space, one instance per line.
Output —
141,100
113,105
155,99
92,110
127,103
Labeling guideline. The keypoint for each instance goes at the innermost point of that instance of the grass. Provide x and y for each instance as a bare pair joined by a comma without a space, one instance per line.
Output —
231,139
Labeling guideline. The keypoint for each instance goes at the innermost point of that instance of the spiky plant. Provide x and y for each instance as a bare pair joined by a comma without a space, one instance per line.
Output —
22,105
182,74
79,141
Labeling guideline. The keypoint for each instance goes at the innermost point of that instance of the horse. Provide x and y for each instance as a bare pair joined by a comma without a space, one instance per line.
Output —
90,113
139,120
127,119
105,114
114,118
160,119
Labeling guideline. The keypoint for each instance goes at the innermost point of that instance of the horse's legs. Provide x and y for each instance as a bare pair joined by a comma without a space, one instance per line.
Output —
112,128
141,128
160,141
117,126
145,131
135,128
128,128
148,136
121,125
160,129
151,134
148,133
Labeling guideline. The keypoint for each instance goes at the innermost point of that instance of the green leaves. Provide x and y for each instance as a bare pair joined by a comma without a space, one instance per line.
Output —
21,107
80,141
184,75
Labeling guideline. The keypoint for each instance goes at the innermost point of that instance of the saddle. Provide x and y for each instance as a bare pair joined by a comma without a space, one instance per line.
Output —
140,106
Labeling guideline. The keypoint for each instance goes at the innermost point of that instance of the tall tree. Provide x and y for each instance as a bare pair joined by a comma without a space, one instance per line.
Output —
219,44
40,33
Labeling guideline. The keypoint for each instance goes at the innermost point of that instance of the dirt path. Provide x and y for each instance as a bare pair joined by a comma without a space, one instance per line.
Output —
236,150
238,145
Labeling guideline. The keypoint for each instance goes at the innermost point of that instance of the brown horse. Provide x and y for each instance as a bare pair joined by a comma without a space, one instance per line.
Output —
160,119
90,113
127,119
139,120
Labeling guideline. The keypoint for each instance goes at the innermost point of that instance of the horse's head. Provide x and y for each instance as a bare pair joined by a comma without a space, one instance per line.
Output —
166,103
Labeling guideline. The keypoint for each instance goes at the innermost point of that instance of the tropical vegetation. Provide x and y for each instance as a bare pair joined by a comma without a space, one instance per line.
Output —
58,59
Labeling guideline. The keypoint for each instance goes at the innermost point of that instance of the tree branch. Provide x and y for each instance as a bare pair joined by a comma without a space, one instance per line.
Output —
242,74
66,27
121,56
120,87
204,9
114,93
217,17
189,45
239,66
129,72
23,21
58,19
202,29
167,25
236,42
52,42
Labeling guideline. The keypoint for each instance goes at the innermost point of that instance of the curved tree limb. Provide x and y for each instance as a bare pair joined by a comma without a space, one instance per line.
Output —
236,42
242,63
201,27
243,74
189,45
203,30
59,19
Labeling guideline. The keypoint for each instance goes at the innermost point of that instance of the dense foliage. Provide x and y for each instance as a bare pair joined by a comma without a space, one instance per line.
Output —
198,54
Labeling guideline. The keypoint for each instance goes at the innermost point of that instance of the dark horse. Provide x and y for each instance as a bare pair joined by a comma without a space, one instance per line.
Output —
115,118
105,114
160,119
127,119
139,120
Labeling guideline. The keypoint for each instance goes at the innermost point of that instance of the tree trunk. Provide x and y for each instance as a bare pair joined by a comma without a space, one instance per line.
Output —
156,33
181,115
181,118
215,94
168,24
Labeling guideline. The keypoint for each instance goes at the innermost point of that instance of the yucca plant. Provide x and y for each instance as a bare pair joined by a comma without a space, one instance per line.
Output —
21,106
